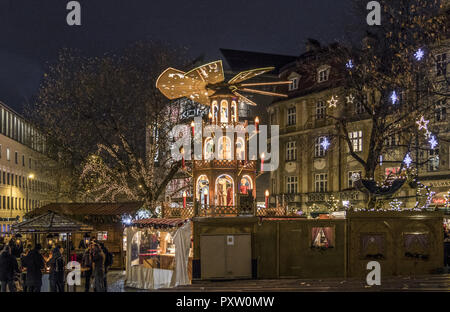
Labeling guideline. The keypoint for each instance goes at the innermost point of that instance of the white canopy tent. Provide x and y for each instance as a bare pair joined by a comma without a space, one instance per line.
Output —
151,267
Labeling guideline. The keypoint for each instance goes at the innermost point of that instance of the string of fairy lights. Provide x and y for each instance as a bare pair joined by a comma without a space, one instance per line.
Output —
422,124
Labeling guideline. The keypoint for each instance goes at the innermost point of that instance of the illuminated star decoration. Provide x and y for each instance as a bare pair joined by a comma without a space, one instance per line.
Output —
349,64
332,102
422,123
325,143
350,99
433,142
407,160
419,54
394,97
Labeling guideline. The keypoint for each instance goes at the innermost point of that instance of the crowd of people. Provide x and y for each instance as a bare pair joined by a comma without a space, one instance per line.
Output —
22,269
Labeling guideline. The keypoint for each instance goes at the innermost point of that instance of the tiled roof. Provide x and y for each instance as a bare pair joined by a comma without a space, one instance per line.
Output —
98,209
158,222
50,222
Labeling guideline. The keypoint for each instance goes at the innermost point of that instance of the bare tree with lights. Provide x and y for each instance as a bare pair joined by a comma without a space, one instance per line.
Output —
109,125
392,80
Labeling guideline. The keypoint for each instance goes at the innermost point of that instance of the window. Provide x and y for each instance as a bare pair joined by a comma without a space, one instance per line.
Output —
319,151
0,151
7,154
441,64
433,160
392,140
322,237
323,74
356,139
291,116
23,160
291,151
16,158
102,236
359,108
353,176
440,110
273,118
320,110
294,84
321,182
274,186
292,185
29,162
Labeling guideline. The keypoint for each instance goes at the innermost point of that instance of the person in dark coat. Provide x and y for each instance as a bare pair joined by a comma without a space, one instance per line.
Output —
34,263
24,273
87,263
56,264
106,264
8,269
98,260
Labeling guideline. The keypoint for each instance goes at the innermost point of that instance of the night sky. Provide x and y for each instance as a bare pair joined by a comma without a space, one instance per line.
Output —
32,31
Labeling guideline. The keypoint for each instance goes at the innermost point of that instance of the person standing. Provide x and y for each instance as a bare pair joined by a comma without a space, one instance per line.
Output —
108,263
56,264
22,268
34,263
87,264
98,260
8,268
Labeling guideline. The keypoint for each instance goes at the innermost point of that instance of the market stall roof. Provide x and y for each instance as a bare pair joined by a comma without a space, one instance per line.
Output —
158,223
50,222
99,209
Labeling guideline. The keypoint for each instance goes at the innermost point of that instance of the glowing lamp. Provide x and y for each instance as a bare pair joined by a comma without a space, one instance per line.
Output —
256,123
192,127
267,198
262,161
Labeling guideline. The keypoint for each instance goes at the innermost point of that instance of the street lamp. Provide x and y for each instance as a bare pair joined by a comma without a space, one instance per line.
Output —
29,178
267,198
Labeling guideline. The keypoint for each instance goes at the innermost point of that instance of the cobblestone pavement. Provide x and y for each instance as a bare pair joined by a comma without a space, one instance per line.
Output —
439,282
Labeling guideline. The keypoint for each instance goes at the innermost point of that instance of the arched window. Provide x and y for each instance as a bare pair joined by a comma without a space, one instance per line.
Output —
233,111
203,190
245,184
225,148
209,149
215,111
224,190
240,148
224,111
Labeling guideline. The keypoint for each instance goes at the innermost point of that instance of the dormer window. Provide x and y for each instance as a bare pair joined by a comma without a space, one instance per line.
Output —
294,78
323,73
294,84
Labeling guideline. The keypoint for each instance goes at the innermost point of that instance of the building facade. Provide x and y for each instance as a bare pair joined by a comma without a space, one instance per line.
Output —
24,186
316,169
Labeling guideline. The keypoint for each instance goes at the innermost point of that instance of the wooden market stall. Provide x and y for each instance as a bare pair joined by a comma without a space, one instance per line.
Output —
105,220
46,229
159,253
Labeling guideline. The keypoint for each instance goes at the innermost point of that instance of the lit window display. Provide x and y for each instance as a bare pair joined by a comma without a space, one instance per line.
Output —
209,149
203,190
224,191
245,185
224,111
240,149
215,110
225,148
147,247
322,237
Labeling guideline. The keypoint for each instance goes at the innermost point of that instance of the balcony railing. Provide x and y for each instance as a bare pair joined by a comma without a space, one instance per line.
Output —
206,164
